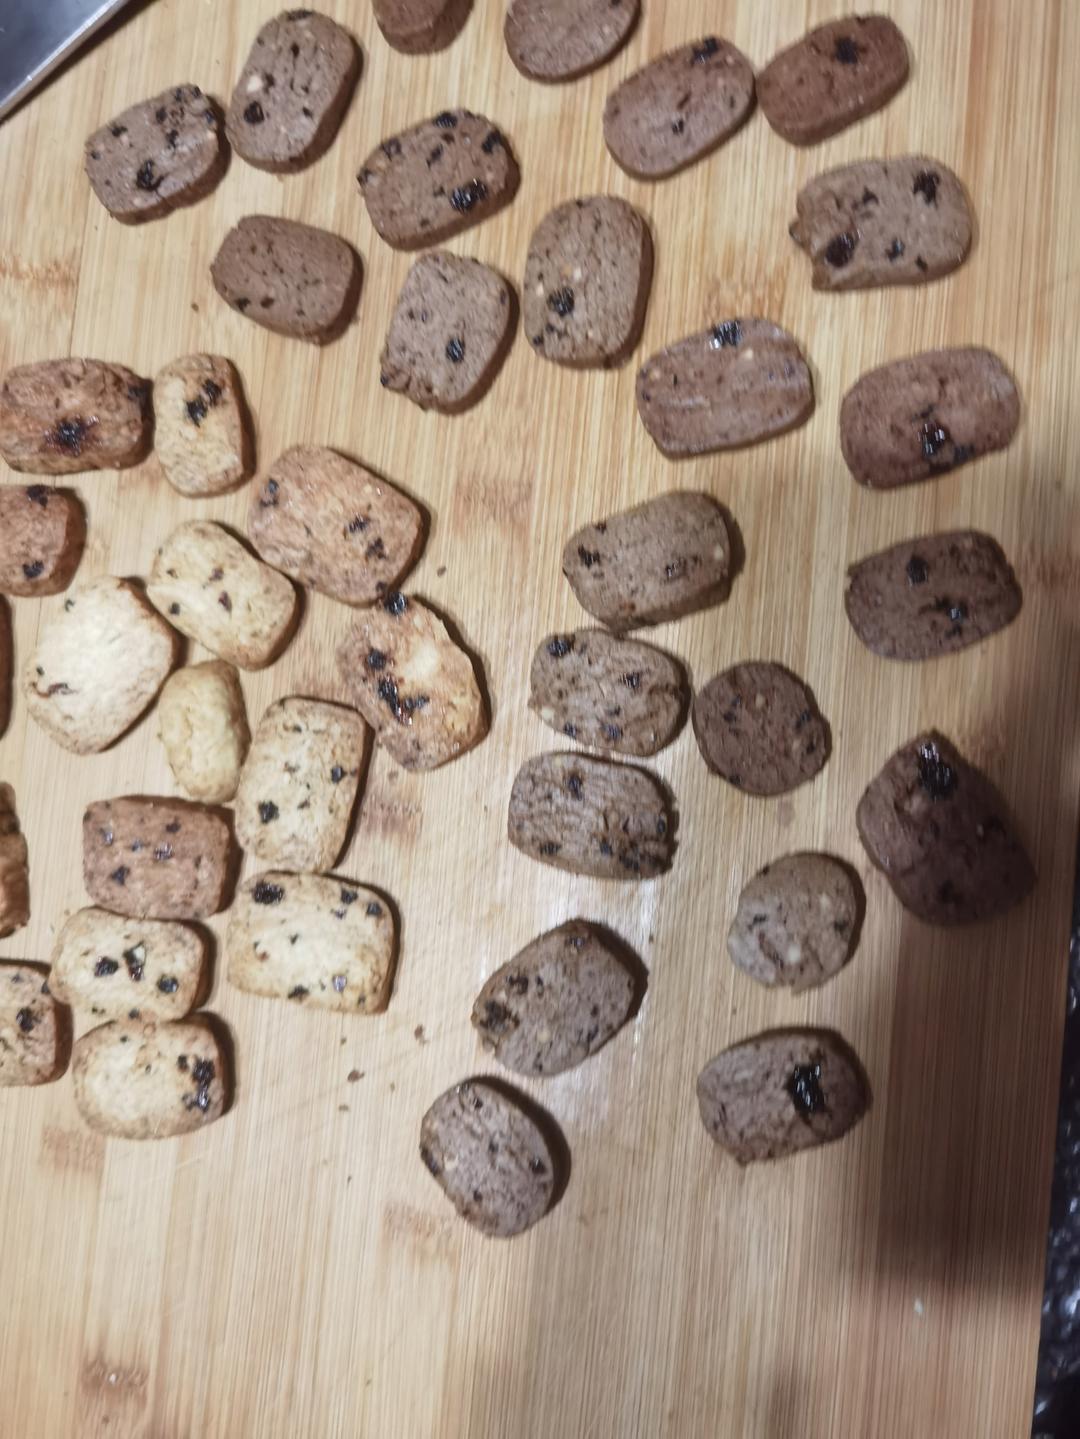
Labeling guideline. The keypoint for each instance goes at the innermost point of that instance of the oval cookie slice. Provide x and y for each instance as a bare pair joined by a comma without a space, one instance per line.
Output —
42,534
832,77
655,562
556,1002
735,384
931,596
921,417
138,1080
489,1157
156,858
607,692
421,26
584,815
758,727
59,417
553,40
113,967
796,922
786,1090
883,222
678,108
33,1029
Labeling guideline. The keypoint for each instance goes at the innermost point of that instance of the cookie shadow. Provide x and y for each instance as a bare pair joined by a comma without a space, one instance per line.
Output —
209,963
223,1037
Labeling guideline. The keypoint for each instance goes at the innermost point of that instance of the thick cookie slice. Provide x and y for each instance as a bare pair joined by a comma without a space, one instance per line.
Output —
438,178
100,660
33,1030
932,595
293,90
883,222
941,833
832,77
202,434
58,417
786,1090
489,1157
421,26
587,280
653,563
155,858
584,815
138,1080
110,967
735,384
678,107
325,943
557,1001
158,155
203,725
413,683
758,727
333,525
921,417
796,922
449,332
607,692
42,534
14,869
299,782
553,40
215,592
293,279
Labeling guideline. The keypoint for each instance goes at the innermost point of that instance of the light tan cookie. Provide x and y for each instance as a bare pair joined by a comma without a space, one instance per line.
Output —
203,726
111,967
33,1029
155,858
201,430
42,533
14,870
138,1080
58,417
796,922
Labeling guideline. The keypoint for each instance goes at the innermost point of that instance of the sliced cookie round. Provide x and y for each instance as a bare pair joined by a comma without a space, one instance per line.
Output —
203,726
135,1079
796,922
34,1029
110,967
420,27
738,383
758,727
202,434
42,534
14,867
59,417
678,108
156,858
553,40
450,330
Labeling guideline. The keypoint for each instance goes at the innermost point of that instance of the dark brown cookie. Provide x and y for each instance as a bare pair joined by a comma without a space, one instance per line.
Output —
919,418
941,833
932,595
678,107
883,222
783,1091
655,562
421,26
796,922
758,728
58,417
42,533
155,858
553,40
832,77
734,384
438,178
293,90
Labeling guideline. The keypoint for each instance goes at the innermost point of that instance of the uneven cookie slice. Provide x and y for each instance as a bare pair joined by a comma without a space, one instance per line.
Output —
7,663
785,1090
42,534
590,817
758,727
919,418
101,658
611,693
587,280
941,833
932,595
553,40
293,279
299,783
421,26
111,967
215,592
678,108
413,683
203,725
437,178
33,1029
58,417
293,90
334,525
155,858
735,384
832,77
202,435
557,1001
883,222
326,943
796,922
449,332
655,562
158,155
489,1157
14,867
135,1079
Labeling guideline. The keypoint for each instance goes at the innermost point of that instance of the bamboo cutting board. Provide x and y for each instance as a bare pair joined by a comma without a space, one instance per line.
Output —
293,1270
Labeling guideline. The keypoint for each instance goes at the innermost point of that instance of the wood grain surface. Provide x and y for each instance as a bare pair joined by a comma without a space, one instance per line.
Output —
293,1270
